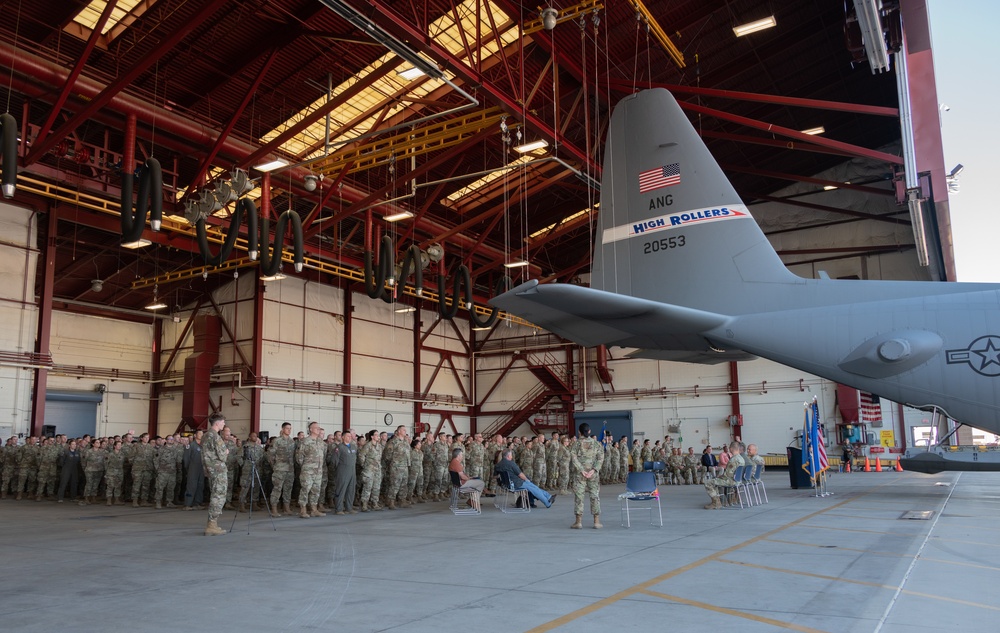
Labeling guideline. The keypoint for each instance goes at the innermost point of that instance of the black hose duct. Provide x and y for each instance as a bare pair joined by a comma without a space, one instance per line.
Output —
461,275
244,208
503,285
270,260
9,153
411,264
375,282
150,201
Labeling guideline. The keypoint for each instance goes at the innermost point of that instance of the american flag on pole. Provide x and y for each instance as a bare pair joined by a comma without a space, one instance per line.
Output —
871,409
664,176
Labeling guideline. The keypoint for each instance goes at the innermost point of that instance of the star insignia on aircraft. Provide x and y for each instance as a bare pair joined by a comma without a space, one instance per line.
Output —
983,355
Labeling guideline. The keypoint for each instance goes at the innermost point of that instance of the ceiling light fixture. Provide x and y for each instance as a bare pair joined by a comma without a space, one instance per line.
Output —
404,309
139,243
157,304
753,27
828,187
396,217
278,276
533,145
550,17
481,329
411,73
813,131
277,163
516,264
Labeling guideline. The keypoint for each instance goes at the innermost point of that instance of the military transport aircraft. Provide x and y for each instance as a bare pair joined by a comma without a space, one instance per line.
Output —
683,272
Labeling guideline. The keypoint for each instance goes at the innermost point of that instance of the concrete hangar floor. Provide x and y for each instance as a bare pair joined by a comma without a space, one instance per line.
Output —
847,562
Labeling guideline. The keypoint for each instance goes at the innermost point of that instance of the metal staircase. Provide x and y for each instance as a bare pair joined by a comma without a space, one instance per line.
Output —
553,383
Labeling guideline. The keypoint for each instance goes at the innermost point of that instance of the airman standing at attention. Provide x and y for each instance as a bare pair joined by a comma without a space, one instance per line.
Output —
551,459
540,466
415,477
167,459
586,458
440,454
114,474
311,457
367,457
281,455
474,457
27,467
612,459
93,466
397,450
142,470
213,461
48,459
636,457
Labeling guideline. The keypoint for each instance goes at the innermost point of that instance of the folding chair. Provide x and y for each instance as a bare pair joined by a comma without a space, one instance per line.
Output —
640,488
758,485
458,494
508,494
659,469
748,484
727,491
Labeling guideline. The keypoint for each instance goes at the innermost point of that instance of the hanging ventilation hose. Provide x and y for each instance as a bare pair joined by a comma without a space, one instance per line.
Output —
9,149
244,208
503,285
270,261
410,265
150,201
462,276
375,281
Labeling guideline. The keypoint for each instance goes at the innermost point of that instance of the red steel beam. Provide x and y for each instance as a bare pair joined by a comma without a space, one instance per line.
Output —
422,41
166,45
44,337
853,150
772,142
822,207
816,181
153,424
212,153
819,104
95,35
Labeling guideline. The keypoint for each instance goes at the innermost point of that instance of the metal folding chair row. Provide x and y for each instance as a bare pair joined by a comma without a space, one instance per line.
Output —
748,486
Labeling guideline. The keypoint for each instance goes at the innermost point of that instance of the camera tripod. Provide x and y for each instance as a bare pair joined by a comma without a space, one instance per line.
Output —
255,484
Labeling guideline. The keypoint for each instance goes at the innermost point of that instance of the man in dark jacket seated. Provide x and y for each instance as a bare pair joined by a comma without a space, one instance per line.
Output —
507,466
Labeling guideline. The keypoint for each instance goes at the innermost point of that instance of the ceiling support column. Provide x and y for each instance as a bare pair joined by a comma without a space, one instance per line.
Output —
44,326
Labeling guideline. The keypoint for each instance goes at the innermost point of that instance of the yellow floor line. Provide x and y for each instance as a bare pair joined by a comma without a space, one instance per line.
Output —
733,612
863,582
643,586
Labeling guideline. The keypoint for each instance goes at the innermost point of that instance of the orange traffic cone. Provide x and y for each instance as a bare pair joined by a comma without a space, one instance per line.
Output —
899,466
878,464
868,466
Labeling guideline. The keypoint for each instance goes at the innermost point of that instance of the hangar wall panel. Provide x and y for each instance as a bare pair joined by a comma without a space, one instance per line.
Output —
18,314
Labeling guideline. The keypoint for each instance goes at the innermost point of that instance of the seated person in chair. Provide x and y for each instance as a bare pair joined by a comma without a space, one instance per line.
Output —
457,466
508,467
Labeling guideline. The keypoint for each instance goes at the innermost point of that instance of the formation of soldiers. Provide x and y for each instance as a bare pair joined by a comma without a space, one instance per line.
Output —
371,472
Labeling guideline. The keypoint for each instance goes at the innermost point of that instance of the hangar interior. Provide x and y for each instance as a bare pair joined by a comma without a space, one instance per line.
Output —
396,133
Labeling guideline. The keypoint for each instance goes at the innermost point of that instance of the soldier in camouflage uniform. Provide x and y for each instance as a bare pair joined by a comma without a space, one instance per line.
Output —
213,459
586,457
332,442
167,459
563,466
311,457
281,456
612,460
48,460
551,469
439,479
540,466
8,461
253,456
114,474
416,475
397,453
428,450
692,467
636,457
368,457
27,467
675,466
751,458
232,465
93,465
526,460
726,479
474,457
142,457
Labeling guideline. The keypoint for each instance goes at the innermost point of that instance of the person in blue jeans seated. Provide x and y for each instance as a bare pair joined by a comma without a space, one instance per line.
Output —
507,465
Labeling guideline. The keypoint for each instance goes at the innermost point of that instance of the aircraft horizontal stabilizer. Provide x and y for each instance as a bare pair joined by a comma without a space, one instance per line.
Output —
708,355
594,317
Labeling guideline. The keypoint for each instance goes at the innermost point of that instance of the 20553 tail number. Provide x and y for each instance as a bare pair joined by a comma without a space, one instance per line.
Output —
663,244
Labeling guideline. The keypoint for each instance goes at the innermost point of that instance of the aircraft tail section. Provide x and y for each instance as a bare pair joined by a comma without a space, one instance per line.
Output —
672,228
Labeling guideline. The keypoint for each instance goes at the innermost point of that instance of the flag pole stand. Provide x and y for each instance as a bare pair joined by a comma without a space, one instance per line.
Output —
820,486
